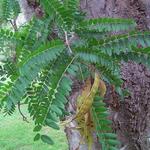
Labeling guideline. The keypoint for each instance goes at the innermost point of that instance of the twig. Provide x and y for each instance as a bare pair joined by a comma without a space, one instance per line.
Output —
68,43
81,73
14,25
123,148
23,116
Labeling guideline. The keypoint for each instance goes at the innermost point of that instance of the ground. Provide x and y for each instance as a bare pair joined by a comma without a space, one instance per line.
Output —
15,134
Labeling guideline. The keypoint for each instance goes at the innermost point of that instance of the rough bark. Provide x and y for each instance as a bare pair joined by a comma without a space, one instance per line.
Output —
135,111
131,119
137,9
26,13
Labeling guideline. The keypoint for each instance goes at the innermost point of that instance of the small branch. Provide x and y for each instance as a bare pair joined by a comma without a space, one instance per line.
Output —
72,37
123,148
14,25
81,73
23,116
67,42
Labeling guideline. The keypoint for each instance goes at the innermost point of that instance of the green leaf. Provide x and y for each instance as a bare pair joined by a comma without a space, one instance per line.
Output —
109,135
47,139
113,148
113,142
37,128
107,138
56,109
52,124
53,116
37,137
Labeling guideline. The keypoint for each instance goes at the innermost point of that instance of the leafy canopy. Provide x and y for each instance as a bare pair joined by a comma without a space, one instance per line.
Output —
40,59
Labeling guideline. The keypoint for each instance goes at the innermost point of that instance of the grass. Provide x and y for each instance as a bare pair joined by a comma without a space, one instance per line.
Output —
15,134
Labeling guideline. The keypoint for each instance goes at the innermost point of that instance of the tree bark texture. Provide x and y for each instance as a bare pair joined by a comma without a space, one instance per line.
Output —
131,119
26,13
137,9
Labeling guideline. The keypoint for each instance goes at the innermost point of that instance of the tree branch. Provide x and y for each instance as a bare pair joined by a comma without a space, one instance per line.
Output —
67,42
23,116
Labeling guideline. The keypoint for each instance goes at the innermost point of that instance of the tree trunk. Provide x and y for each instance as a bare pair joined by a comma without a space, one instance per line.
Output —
26,13
131,120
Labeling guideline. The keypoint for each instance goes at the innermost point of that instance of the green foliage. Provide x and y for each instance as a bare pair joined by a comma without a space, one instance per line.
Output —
9,9
29,69
38,32
64,16
107,138
104,25
43,56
